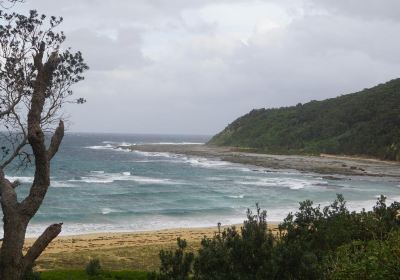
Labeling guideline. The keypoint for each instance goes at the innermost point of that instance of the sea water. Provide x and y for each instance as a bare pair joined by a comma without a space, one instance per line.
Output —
97,186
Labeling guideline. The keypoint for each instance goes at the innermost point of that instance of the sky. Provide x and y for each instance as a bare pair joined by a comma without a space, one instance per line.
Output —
194,66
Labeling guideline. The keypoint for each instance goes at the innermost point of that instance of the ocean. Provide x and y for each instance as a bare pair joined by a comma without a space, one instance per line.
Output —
98,187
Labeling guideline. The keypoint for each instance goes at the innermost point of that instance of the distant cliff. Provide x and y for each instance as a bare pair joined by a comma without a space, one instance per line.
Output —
363,123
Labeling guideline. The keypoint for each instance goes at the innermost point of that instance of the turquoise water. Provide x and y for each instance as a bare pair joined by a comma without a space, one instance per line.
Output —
97,187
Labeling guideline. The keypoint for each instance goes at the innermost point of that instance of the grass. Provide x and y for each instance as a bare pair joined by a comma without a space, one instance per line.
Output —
128,263
81,275
139,258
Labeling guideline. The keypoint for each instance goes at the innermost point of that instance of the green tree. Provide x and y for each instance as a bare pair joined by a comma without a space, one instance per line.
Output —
175,265
237,255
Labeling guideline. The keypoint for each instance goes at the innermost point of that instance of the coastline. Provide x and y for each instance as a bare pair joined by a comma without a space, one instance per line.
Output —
323,164
140,250
118,251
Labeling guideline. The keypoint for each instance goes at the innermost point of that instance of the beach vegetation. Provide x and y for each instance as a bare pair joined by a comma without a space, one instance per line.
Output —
237,254
93,268
313,243
174,265
372,260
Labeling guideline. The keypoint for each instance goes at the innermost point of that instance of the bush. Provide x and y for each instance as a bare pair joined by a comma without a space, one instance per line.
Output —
373,260
311,236
175,266
233,255
93,268
313,243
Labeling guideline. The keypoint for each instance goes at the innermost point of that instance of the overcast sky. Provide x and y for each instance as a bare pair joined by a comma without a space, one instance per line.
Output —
193,66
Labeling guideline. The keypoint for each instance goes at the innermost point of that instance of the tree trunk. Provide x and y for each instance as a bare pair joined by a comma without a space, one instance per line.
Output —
13,264
11,258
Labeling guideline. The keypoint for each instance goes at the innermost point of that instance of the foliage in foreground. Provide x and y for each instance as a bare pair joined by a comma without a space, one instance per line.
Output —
313,243
174,265
375,259
93,268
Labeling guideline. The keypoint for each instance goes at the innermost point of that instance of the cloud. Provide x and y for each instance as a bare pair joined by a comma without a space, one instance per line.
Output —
104,53
191,66
366,9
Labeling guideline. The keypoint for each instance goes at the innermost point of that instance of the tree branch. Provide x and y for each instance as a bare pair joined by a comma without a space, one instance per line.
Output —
56,140
11,107
8,198
41,243
15,153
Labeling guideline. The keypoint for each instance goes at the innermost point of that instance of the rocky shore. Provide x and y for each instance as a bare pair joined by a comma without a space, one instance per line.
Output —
323,164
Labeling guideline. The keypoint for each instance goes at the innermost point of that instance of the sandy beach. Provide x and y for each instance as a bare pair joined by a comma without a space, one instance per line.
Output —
323,164
117,251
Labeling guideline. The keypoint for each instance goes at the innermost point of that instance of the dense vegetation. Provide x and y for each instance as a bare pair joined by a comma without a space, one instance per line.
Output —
362,123
313,243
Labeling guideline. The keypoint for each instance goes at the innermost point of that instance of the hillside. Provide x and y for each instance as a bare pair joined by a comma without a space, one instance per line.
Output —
362,123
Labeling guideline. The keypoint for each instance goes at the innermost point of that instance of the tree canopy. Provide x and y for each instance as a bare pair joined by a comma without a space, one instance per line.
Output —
362,123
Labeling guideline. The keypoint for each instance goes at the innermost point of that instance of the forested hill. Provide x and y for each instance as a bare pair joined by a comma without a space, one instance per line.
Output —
362,123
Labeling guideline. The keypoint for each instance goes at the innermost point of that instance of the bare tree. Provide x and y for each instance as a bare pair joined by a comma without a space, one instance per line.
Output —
36,76
9,3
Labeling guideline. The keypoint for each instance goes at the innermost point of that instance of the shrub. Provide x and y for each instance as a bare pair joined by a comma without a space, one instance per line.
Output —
233,255
373,260
311,236
313,243
175,266
93,268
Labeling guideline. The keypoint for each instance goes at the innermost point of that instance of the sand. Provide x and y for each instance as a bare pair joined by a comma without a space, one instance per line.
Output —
323,164
117,251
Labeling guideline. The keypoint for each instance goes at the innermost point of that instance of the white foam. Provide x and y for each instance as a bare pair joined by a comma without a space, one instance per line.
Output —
146,180
125,144
97,171
291,183
21,179
116,144
107,210
104,147
92,180
109,147
28,180
61,184
236,196
154,154
119,149
107,178
203,162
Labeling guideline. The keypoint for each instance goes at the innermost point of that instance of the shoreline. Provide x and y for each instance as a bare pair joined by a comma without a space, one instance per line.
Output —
324,164
120,250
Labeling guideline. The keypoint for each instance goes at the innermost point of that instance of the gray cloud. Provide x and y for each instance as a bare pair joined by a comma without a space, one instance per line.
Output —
367,9
191,66
104,53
